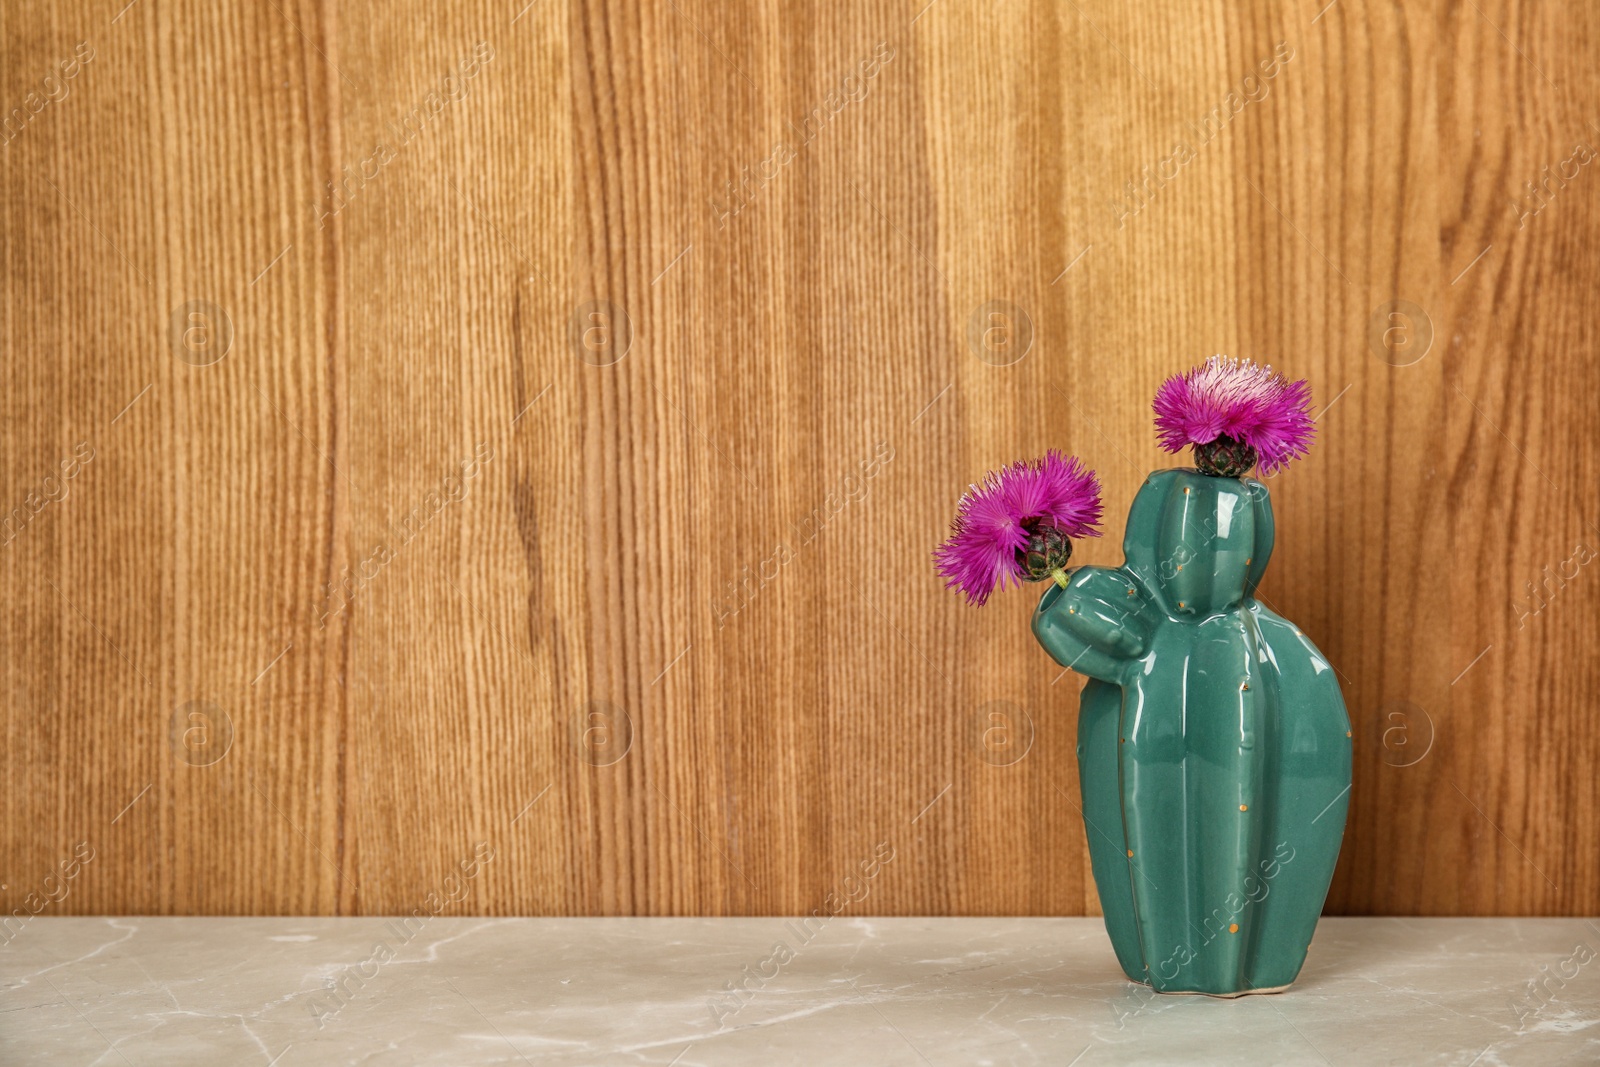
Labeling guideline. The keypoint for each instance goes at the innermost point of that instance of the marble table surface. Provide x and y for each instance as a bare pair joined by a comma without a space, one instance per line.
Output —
686,992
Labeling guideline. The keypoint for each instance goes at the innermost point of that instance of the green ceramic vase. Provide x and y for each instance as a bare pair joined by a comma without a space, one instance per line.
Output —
1213,743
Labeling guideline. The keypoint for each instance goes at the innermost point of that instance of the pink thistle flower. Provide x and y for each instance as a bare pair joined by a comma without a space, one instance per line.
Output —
1015,526
1227,403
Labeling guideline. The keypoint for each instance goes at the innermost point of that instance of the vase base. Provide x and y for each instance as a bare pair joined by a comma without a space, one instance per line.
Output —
1201,993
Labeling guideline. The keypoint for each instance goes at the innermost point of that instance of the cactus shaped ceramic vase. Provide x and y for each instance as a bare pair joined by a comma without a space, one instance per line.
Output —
1213,743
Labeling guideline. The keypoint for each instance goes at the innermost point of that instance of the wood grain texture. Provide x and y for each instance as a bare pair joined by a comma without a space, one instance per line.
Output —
552,535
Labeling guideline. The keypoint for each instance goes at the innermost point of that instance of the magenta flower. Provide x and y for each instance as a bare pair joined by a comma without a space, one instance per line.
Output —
1235,413
1015,526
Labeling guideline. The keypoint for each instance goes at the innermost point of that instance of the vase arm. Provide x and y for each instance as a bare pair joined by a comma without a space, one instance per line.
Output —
1093,625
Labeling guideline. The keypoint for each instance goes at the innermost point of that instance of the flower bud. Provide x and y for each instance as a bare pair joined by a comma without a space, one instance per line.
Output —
1046,552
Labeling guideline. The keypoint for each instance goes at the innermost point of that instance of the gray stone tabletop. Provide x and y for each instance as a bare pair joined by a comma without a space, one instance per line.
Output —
687,992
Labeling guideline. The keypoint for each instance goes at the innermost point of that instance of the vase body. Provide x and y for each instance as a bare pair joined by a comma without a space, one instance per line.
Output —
1213,743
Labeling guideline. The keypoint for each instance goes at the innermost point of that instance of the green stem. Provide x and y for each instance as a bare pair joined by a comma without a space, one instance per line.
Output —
1060,575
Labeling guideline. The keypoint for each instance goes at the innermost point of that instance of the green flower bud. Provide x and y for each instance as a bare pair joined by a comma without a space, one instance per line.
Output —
1046,552
1225,458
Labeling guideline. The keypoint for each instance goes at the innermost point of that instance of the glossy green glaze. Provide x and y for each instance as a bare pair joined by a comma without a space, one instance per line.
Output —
1213,744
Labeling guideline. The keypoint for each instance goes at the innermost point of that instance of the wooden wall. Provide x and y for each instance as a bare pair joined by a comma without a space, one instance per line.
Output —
536,519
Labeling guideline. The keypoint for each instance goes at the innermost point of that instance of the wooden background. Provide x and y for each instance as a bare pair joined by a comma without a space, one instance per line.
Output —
670,642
